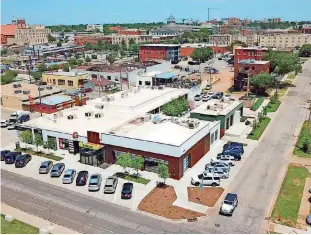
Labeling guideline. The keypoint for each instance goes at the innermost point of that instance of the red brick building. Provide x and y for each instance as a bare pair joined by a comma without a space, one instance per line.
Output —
248,53
186,50
234,21
159,51
81,40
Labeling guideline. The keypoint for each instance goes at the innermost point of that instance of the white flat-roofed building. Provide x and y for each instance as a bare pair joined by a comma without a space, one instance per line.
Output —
127,124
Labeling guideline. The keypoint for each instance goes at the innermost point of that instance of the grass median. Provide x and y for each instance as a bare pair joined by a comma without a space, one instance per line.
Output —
273,106
257,104
304,134
16,227
287,205
255,134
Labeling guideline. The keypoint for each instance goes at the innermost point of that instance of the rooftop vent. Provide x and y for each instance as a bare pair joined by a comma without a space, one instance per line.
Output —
49,88
70,117
26,92
17,85
41,88
99,106
160,88
146,118
99,115
88,114
17,91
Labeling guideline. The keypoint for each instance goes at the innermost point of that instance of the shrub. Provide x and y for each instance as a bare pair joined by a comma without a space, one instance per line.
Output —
257,104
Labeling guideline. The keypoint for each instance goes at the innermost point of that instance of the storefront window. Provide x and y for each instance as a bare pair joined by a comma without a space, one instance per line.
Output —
152,164
63,143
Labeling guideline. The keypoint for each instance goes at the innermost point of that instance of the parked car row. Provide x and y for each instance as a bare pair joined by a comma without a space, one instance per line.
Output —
219,166
82,178
17,158
208,95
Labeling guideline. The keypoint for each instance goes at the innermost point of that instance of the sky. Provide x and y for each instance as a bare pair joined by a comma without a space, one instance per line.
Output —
131,11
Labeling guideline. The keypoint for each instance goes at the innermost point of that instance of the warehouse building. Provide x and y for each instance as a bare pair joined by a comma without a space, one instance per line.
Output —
129,122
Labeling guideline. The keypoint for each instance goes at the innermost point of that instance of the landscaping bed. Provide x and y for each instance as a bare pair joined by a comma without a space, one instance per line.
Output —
303,141
287,205
257,104
273,106
159,202
40,154
204,196
255,134
16,227
133,178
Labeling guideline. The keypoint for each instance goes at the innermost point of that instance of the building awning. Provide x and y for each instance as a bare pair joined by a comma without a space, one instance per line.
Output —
167,75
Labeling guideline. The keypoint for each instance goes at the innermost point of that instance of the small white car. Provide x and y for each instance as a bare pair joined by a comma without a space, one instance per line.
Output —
69,176
223,159
229,204
4,123
205,179
216,171
95,182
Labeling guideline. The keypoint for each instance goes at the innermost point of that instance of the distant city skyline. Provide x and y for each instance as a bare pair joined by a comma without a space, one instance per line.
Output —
124,11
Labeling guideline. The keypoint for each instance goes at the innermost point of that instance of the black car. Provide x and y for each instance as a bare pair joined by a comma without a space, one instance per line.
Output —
127,190
4,153
11,157
22,160
82,177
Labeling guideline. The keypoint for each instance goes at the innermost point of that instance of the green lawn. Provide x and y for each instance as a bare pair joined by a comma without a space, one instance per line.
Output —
132,178
255,135
257,104
291,76
272,107
297,151
16,227
288,202
40,154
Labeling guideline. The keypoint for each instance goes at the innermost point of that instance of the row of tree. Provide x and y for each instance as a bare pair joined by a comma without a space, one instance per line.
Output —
202,54
137,163
27,138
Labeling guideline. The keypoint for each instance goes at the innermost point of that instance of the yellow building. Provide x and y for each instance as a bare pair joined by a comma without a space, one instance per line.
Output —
68,80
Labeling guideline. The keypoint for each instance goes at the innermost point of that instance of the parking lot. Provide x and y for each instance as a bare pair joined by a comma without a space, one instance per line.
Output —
32,170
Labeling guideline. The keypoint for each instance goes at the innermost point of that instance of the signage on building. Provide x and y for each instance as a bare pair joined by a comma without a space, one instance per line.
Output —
75,135
90,146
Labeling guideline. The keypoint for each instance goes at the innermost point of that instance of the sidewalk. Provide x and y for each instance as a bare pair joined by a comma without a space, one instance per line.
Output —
282,229
301,161
35,221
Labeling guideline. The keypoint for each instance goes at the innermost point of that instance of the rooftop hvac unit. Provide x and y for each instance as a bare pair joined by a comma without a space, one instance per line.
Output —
193,124
160,87
49,88
17,91
70,117
99,115
26,92
111,98
17,85
152,88
40,88
106,98
60,114
99,106
124,94
88,114
146,118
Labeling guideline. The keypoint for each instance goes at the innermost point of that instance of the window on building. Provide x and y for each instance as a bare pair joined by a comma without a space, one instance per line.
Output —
61,82
54,82
70,83
216,135
147,83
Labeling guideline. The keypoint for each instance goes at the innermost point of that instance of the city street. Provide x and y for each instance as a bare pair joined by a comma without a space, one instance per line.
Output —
78,212
257,183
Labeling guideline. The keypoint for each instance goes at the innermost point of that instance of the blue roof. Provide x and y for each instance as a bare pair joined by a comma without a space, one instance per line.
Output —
166,75
54,100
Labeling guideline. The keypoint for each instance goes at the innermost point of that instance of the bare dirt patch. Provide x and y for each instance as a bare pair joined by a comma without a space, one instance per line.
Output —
159,202
204,196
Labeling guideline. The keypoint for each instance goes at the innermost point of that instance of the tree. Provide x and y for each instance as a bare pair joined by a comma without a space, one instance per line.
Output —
305,50
265,111
123,45
137,163
53,67
8,77
124,160
163,172
89,46
306,143
41,68
94,56
59,44
36,75
51,38
122,53
66,68
132,41
111,59
202,54
134,48
235,43
50,144
261,80
100,45
38,141
26,137
254,125
72,62
4,52
88,59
